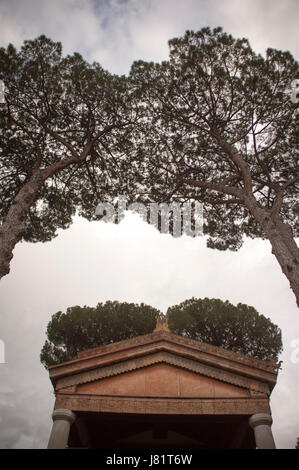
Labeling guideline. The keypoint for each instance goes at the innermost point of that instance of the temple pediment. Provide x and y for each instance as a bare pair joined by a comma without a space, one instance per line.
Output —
164,364
162,380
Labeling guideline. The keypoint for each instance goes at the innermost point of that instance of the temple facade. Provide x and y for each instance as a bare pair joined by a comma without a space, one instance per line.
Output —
162,391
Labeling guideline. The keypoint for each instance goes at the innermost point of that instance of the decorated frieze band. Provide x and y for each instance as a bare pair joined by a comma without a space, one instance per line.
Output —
186,406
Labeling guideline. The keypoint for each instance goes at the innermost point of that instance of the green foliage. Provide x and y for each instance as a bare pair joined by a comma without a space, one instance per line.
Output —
215,90
82,328
237,328
54,108
154,133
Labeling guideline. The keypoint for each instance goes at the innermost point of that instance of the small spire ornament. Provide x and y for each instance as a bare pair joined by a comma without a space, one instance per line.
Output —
162,324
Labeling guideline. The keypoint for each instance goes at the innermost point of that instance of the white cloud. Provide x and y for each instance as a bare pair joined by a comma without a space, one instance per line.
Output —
267,24
115,33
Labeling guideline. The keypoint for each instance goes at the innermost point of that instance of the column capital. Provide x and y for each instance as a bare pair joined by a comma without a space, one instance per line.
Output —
260,419
64,414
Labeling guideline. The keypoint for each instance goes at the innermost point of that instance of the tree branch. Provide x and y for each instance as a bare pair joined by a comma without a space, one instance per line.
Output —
279,199
49,171
237,159
221,188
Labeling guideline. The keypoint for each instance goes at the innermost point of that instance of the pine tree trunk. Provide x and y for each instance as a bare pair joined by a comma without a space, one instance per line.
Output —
14,224
285,250
284,247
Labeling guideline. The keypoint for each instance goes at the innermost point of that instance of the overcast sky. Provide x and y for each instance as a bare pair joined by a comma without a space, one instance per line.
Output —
132,262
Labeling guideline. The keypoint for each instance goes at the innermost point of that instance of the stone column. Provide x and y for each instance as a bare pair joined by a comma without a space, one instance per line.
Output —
62,420
261,424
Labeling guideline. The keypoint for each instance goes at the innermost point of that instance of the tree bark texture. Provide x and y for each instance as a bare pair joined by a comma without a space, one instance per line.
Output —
281,238
14,224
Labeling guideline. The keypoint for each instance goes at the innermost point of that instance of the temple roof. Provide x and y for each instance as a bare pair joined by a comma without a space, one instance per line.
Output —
163,347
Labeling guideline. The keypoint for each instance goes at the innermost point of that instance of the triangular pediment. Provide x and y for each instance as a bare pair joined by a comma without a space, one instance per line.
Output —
162,380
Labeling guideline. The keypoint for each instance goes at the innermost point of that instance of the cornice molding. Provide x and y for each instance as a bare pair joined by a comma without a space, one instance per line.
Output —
198,345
